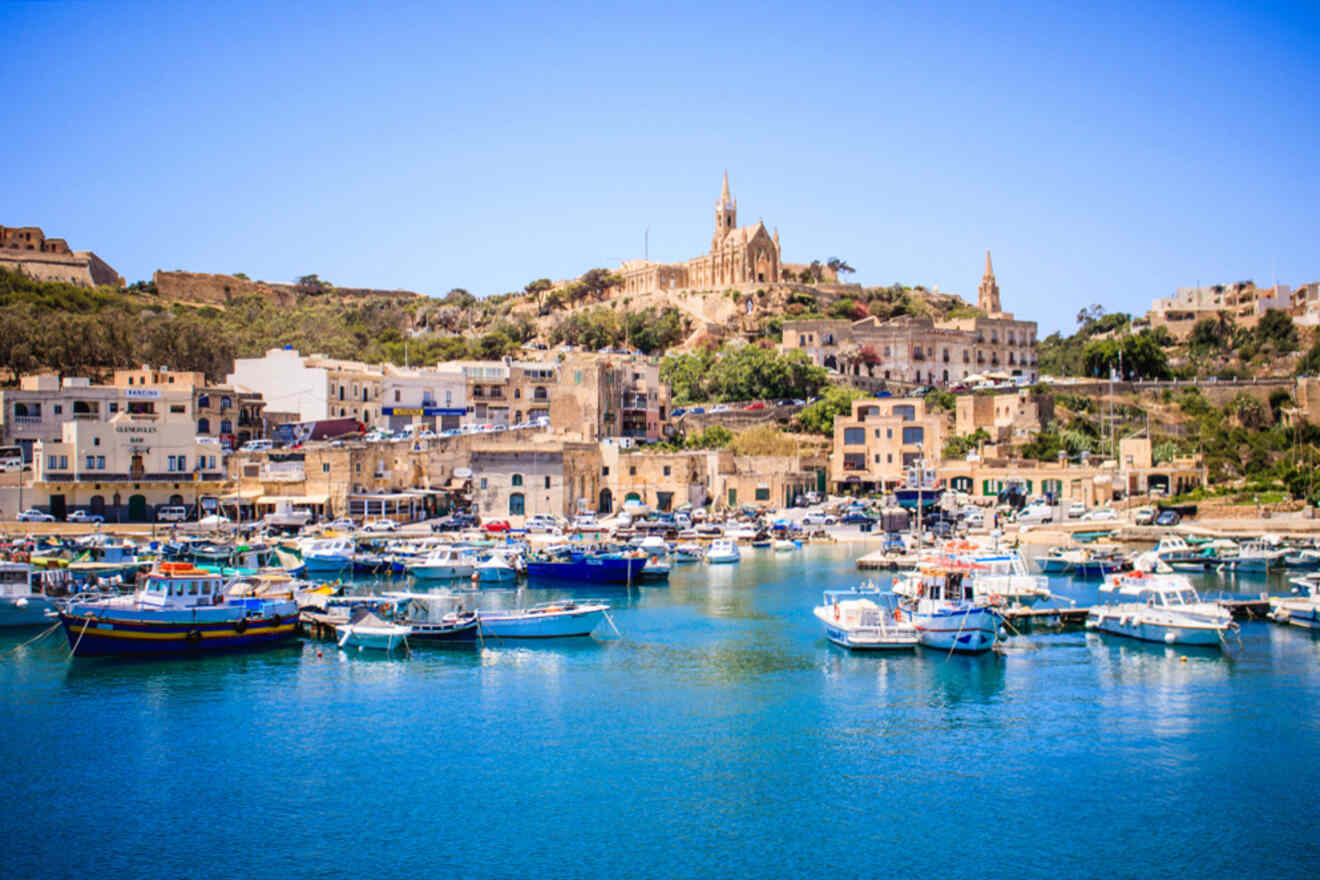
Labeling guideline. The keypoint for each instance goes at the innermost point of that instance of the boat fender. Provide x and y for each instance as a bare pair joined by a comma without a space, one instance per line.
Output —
898,616
194,636
836,610
241,626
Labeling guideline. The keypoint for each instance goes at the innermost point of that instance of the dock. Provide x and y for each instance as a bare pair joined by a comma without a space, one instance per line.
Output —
879,559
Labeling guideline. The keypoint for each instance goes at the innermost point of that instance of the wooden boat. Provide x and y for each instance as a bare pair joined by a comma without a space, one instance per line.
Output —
565,619
180,609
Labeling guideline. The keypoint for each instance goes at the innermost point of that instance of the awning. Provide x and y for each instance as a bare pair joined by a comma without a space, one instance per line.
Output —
293,499
456,485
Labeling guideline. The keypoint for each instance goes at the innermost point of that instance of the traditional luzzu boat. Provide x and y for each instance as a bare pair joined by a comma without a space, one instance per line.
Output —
180,609
944,608
865,620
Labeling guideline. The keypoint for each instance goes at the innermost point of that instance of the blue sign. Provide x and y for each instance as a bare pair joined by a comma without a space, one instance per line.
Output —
422,411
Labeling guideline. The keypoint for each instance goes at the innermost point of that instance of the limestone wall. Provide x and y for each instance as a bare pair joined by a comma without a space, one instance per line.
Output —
220,290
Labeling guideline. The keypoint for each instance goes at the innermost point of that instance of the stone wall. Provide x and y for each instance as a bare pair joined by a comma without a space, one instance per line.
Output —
220,290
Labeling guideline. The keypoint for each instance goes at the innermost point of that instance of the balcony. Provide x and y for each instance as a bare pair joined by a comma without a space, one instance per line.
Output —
27,420
283,472
86,417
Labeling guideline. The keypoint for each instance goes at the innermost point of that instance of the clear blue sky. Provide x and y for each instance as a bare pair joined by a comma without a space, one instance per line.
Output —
1104,156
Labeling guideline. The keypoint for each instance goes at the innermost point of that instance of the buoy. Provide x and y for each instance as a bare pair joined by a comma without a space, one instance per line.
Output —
318,653
1183,659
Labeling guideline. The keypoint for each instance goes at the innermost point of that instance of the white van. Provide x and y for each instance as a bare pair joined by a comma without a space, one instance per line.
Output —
1035,513
172,513
257,446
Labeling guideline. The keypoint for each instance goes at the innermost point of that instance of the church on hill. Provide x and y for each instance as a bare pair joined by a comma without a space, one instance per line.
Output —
738,255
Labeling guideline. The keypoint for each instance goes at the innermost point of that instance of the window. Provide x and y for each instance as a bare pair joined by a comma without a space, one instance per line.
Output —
100,462
762,493
226,403
397,395
632,470
547,481
114,407
91,462
203,426
176,408
483,482
889,433
58,409
325,467
854,436
226,426
906,412
666,470
64,462
605,471
96,441
517,479
914,435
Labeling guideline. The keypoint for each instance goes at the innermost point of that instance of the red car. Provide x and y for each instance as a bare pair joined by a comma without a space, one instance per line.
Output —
496,525
757,405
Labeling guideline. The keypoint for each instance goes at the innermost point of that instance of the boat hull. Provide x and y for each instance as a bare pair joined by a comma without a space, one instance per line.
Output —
1132,626
961,630
621,570
328,564
390,638
1296,613
442,633
441,572
26,611
490,574
93,636
541,626
897,638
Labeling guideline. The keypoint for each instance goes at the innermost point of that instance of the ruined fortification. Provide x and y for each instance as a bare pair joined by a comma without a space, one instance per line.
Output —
220,290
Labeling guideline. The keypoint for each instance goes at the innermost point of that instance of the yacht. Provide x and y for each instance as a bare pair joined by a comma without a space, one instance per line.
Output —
942,604
864,619
329,555
1302,609
722,551
1158,607
1259,555
19,606
444,563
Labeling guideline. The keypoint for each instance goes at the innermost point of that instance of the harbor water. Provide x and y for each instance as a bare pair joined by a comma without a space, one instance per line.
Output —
720,736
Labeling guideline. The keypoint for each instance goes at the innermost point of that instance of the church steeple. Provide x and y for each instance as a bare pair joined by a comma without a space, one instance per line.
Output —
726,215
987,294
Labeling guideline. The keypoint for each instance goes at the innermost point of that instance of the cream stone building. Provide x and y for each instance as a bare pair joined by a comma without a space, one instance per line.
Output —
26,249
514,480
738,255
1008,417
126,467
921,351
880,439
315,386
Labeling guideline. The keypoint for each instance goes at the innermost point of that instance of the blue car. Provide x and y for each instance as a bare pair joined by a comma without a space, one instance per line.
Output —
697,410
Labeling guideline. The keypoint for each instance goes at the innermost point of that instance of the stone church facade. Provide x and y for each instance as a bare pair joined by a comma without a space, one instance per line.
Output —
738,255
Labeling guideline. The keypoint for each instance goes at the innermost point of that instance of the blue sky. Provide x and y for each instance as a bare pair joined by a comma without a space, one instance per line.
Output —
1106,155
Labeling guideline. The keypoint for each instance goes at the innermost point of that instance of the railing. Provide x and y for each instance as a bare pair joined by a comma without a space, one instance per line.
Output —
28,420
87,417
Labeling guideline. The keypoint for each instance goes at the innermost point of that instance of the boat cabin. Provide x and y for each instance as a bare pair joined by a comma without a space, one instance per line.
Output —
15,578
181,585
945,586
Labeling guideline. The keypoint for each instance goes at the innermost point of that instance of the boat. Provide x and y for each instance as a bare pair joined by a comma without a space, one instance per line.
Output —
1159,607
444,563
995,578
329,555
180,609
721,552
864,619
1302,609
783,545
942,605
688,552
19,606
657,559
366,630
564,619
496,568
1302,559
436,618
592,567
1174,550
1259,555
1060,560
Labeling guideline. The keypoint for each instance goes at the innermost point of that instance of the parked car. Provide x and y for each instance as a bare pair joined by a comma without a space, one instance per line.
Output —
751,406
82,516
855,517
1144,516
496,525
676,412
380,525
1076,509
542,523
342,523
1168,518
34,515
1035,514
171,513
722,408
819,519
1100,514
697,410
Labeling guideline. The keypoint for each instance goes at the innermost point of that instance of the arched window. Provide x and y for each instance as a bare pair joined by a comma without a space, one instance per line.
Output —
517,479
517,394
226,403
517,504
539,393
203,426
203,401
226,426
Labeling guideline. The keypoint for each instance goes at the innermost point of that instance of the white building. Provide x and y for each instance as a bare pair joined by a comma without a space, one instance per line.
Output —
286,382
434,397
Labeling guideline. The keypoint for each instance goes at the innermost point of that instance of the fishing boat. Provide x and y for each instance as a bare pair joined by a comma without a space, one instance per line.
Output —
1301,609
995,578
496,568
105,556
864,619
688,552
783,545
722,552
1302,559
444,563
180,609
941,603
658,563
1259,555
329,555
366,630
592,567
548,620
1159,607
1060,560
436,618
19,605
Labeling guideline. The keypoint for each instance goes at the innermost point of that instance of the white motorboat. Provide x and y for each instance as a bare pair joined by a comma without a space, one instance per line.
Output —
865,620
943,607
444,563
688,552
1259,555
1302,609
366,630
564,619
722,551
993,578
658,558
330,555
496,568
1061,560
1160,608
783,545
19,606
1302,559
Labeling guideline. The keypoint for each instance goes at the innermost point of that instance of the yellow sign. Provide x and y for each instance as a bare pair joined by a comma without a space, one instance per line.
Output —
407,411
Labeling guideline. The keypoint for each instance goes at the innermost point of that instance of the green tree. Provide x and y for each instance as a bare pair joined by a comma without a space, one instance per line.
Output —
1276,329
818,418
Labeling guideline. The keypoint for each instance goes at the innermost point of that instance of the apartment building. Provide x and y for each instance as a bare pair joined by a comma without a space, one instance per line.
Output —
1242,303
879,439
314,386
1008,417
435,398
230,415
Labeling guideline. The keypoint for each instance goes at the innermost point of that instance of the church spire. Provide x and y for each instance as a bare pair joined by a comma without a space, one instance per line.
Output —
989,270
724,195
726,216
987,294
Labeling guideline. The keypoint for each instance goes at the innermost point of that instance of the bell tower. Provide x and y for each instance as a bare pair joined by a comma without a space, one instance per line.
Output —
987,294
726,216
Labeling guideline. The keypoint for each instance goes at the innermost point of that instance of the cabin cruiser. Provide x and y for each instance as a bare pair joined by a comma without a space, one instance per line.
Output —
180,609
1302,609
721,552
19,606
444,563
1302,559
329,555
864,619
942,604
1258,555
1159,607
657,559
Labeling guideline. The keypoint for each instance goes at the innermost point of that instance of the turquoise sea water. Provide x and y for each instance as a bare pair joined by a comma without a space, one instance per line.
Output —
721,736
